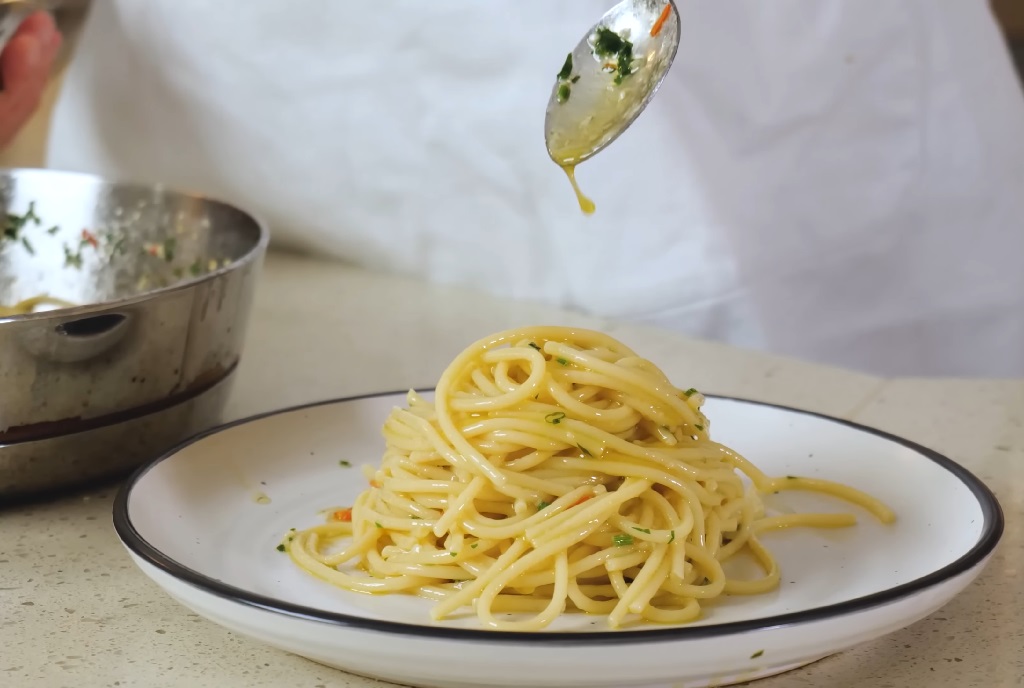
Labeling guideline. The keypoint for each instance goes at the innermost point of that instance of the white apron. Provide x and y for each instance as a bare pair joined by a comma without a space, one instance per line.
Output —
838,180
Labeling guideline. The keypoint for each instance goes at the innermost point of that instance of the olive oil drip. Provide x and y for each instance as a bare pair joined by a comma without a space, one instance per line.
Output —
586,205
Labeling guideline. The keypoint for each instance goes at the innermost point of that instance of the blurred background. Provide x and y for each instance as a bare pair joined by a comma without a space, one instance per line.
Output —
28,149
1011,14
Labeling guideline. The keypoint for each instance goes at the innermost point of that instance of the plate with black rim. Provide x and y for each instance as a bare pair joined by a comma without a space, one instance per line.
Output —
204,522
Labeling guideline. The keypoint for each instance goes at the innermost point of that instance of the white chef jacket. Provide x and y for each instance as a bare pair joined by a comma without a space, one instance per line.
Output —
837,180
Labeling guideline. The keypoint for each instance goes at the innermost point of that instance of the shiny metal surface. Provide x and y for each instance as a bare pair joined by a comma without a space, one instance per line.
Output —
597,109
31,470
164,281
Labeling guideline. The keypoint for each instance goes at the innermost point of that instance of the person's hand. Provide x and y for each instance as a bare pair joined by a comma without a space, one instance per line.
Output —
25,66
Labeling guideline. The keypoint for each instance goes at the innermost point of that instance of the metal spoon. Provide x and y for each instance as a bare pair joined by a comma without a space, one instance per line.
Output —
608,80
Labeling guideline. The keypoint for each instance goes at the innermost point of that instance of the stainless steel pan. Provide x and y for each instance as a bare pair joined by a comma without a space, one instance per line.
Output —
160,284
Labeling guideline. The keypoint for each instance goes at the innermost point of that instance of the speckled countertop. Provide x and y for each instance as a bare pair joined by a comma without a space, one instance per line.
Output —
74,611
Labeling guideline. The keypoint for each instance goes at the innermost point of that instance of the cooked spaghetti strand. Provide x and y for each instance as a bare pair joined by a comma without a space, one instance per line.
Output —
557,471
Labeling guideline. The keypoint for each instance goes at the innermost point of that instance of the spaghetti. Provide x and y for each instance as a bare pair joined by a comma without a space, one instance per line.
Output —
31,305
557,471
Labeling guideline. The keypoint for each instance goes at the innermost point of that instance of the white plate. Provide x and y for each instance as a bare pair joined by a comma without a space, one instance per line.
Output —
198,522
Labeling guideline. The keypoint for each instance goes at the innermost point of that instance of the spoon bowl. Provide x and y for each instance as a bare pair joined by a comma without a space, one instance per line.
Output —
609,78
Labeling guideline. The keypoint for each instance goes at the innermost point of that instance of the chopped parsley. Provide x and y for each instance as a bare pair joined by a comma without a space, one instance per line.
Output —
672,537
170,243
564,89
534,345
377,523
118,247
608,44
699,427
566,70
622,540
28,245
282,547
453,554
575,79
53,230
474,545
757,654
13,224
642,530
195,268
345,464
792,477
72,258
690,392
584,450
543,505
562,361
555,418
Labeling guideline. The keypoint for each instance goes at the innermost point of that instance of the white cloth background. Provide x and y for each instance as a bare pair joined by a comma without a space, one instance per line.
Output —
839,180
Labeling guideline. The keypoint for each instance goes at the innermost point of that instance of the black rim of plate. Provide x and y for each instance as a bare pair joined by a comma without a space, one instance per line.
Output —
992,531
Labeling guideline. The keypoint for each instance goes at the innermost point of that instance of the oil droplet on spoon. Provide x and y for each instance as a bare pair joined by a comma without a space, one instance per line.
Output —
586,205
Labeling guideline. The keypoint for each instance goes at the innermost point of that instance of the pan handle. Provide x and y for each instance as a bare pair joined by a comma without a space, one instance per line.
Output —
77,340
